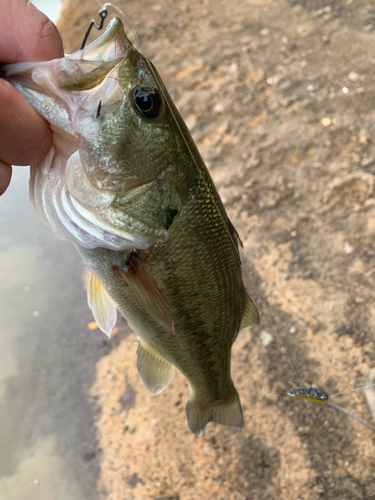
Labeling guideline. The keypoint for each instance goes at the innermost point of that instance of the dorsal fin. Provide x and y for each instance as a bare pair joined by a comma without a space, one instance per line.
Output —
234,234
251,315
147,292
101,304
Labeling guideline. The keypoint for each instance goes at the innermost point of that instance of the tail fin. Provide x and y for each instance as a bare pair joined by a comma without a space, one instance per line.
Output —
222,412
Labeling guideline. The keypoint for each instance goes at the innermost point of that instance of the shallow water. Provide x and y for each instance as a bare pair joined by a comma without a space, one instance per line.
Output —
47,358
50,7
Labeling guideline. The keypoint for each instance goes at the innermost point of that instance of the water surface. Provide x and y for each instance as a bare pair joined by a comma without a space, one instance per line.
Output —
47,356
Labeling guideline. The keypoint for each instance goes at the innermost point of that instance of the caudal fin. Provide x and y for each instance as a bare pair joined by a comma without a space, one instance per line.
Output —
226,413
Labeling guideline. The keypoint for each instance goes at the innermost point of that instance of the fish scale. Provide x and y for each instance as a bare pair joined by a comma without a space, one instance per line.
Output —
126,184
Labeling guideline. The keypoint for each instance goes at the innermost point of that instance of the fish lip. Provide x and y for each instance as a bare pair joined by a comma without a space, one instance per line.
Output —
59,83
94,51
96,67
101,56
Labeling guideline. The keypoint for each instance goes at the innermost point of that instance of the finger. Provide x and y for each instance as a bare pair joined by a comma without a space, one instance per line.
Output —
25,137
27,34
5,176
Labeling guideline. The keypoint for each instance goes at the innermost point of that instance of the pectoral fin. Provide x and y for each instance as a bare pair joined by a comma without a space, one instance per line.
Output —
148,293
101,304
251,314
155,371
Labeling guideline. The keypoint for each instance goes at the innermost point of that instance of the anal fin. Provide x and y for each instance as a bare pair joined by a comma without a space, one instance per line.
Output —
101,304
155,371
251,315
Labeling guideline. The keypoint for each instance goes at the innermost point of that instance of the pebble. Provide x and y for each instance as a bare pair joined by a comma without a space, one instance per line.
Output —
286,276
345,90
326,121
319,488
36,482
322,12
353,76
367,161
266,338
219,107
292,330
348,248
233,68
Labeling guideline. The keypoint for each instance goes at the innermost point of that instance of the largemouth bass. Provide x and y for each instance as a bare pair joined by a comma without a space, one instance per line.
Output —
125,183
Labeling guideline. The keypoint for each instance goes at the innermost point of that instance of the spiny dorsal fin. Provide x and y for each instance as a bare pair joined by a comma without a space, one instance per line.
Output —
101,304
155,371
234,234
250,315
148,293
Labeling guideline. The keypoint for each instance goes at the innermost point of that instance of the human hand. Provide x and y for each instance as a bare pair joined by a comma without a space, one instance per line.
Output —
25,35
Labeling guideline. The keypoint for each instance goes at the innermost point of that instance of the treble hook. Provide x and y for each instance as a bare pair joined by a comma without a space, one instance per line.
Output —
103,14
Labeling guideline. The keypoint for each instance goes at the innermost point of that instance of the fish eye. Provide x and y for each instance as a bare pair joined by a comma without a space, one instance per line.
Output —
147,102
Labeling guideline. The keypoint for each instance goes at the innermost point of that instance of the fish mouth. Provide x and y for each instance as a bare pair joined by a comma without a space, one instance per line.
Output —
81,70
68,93
56,89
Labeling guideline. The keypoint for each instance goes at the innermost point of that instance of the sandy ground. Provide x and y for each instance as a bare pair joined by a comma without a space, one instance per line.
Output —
279,96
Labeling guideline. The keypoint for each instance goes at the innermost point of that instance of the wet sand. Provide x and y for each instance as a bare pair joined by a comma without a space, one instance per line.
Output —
260,86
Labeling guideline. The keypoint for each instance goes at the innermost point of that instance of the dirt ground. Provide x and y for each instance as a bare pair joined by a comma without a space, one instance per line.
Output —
279,96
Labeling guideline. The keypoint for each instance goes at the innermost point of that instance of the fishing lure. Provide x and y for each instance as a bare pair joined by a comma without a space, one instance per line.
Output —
318,396
310,393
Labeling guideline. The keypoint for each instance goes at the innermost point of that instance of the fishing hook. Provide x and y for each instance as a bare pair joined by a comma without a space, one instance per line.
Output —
103,14
99,108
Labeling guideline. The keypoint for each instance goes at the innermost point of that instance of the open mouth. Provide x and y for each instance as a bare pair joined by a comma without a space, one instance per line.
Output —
71,93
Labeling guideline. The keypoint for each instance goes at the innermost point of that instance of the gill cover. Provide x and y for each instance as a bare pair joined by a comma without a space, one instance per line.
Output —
80,189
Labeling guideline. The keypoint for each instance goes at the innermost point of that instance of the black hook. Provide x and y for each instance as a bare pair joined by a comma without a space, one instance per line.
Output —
103,14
